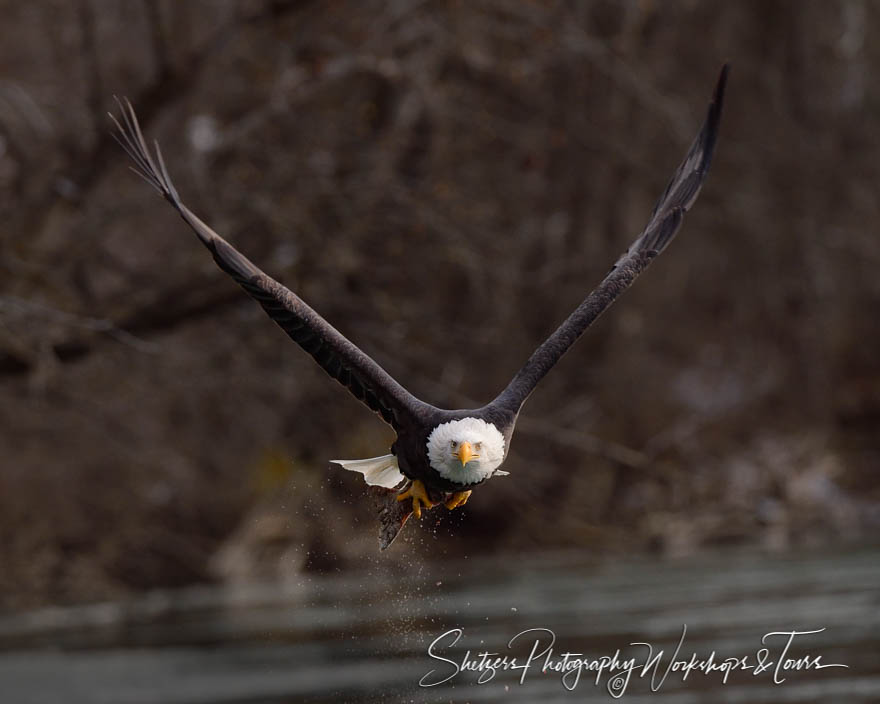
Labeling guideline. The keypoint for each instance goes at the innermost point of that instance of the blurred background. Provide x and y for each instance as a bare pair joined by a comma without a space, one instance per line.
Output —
444,182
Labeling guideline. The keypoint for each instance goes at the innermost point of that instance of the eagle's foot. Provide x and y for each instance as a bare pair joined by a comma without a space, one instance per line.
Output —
459,498
419,496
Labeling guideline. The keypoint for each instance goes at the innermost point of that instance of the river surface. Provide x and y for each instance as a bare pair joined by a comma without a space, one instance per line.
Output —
365,637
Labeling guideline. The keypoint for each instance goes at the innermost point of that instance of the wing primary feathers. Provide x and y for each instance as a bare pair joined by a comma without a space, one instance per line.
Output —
131,140
664,222
340,358
684,187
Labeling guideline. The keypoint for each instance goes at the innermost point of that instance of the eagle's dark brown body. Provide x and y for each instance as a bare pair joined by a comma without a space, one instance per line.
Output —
411,443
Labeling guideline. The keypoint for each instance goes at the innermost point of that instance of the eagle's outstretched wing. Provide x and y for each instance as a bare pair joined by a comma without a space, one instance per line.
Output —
664,222
340,358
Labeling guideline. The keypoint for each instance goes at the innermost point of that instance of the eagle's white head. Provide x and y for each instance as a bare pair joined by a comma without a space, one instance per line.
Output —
466,451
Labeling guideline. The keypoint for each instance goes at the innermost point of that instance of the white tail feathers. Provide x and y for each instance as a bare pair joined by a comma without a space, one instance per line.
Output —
377,471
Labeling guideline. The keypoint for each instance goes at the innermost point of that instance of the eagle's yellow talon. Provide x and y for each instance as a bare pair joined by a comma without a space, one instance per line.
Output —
459,498
419,497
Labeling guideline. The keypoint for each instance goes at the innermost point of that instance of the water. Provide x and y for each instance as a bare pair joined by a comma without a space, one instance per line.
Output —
365,637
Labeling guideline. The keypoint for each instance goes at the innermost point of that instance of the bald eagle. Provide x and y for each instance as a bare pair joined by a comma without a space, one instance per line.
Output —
438,455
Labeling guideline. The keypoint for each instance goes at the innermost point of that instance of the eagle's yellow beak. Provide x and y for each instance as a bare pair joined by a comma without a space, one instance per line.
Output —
465,453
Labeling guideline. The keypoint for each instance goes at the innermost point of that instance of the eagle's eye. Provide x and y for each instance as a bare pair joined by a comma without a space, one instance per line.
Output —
453,444
478,446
